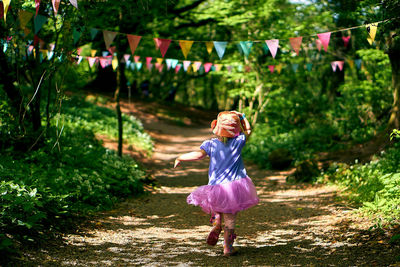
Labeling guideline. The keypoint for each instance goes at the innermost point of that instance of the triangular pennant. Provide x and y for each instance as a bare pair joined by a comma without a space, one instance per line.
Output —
104,62
44,52
159,60
174,62
133,66
30,49
346,40
126,58
295,42
139,65
318,43
162,44
79,50
133,42
351,63
56,4
229,68
37,6
38,22
240,68
209,46
218,67
50,55
178,67
371,29
109,37
207,67
196,66
220,48
295,66
91,61
159,67
168,61
272,46
340,64
79,60
271,68
148,60
136,58
246,47
105,53
74,3
6,4
27,32
114,63
185,46
93,33
334,65
324,38
358,63
76,34
24,18
93,52
112,50
278,68
265,48
149,66
186,64
309,66
1,10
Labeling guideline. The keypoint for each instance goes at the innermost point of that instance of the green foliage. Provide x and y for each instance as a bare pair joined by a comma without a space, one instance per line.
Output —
374,186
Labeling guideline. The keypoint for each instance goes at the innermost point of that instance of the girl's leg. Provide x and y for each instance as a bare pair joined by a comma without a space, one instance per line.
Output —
213,236
229,233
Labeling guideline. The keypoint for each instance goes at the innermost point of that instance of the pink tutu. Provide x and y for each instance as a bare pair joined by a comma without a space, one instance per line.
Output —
225,198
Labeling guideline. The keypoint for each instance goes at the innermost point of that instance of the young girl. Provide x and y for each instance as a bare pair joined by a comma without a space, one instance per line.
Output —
229,189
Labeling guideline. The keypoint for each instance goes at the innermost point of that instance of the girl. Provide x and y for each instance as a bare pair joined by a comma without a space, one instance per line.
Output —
229,189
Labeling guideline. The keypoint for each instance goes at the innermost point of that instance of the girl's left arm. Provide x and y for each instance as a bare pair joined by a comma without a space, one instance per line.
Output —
191,156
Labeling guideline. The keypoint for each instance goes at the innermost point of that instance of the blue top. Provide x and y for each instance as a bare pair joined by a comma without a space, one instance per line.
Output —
226,164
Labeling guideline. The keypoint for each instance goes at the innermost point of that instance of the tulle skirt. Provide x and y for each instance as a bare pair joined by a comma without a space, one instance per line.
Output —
225,198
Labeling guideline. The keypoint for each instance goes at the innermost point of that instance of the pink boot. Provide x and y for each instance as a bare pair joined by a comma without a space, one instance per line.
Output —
213,236
229,238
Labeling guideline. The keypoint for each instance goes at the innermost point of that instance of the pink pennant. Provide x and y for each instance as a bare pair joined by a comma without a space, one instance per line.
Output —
162,44
133,42
319,44
126,57
197,64
78,51
56,4
148,60
109,37
159,66
271,68
340,64
74,3
37,5
104,62
30,49
346,40
324,37
112,50
207,67
91,61
334,65
295,42
177,68
136,59
149,66
272,46
186,64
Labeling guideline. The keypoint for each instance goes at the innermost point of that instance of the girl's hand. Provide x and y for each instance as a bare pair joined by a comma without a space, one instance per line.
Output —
177,162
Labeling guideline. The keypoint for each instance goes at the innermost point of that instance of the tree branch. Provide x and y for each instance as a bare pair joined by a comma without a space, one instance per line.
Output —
187,8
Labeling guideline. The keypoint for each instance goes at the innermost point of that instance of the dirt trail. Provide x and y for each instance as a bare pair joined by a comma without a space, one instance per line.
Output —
294,225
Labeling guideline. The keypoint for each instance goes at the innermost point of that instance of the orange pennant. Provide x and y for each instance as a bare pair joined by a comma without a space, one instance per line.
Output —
133,42
295,42
185,46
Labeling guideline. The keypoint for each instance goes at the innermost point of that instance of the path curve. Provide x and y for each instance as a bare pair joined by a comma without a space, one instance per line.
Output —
300,225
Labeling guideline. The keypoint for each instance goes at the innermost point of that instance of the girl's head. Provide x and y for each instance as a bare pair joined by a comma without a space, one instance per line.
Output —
227,124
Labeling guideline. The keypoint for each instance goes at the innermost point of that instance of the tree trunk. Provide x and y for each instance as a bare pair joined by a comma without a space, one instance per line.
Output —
394,56
121,68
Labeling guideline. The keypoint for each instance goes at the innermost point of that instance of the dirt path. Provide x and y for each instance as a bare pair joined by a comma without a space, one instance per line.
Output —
294,225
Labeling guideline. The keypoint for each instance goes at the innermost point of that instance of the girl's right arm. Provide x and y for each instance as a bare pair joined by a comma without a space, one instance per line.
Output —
191,156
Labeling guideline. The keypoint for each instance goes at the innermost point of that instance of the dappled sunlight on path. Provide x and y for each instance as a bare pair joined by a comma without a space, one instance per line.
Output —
295,225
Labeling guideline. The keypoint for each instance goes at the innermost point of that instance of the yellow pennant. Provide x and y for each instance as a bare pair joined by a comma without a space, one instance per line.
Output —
210,46
371,29
44,52
160,60
6,4
93,52
218,67
351,63
185,46
278,68
115,63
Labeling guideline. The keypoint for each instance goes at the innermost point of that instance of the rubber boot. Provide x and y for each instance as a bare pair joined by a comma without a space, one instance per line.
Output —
213,236
229,238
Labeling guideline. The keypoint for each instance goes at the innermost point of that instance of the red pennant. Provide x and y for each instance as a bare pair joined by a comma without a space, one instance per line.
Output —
112,50
148,60
162,44
1,10
346,40
56,5
136,59
295,42
324,37
37,5
133,41
271,68
177,68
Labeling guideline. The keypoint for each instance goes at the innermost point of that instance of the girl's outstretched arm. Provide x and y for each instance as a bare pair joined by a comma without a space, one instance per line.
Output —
191,156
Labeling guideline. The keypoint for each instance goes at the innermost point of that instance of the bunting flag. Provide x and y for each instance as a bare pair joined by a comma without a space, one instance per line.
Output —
91,61
112,50
168,61
149,66
93,52
324,38
1,10
295,66
318,43
56,4
133,42
114,63
207,66
109,37
136,58
240,68
37,6
185,46
24,18
246,47
196,66
133,66
27,32
104,53
148,60
38,22
220,48
351,63
340,64
265,48
30,49
159,60
78,51
159,67
247,68
271,68
278,68
309,66
177,68
74,3
218,67
334,66
76,34
209,46
6,4
346,40
272,46
139,65
371,29
358,63
229,68
174,62
126,58
162,44
295,42
79,60
93,33
186,64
